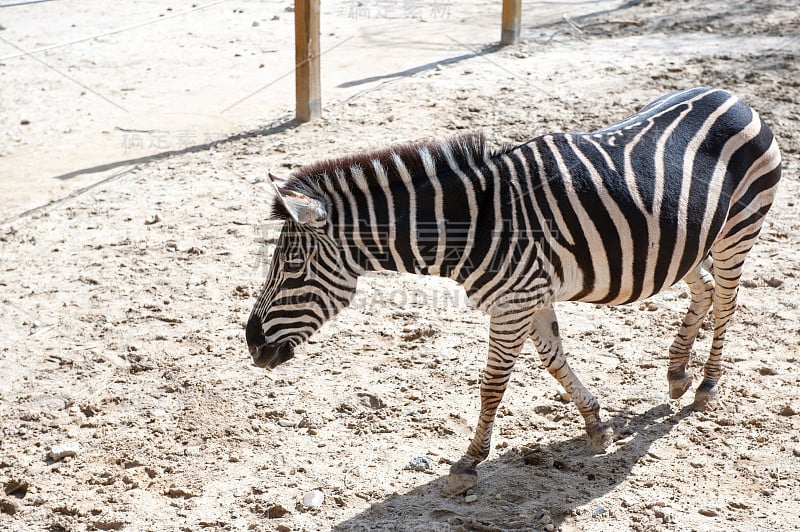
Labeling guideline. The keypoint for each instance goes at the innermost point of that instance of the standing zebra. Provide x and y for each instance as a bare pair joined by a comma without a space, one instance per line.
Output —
678,191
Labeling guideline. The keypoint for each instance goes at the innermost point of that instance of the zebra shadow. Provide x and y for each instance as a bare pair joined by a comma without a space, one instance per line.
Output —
517,489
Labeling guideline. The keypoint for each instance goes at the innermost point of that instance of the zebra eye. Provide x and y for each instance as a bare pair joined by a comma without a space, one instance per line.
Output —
293,264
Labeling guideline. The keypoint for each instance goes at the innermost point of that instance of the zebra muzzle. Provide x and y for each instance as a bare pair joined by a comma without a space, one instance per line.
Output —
271,355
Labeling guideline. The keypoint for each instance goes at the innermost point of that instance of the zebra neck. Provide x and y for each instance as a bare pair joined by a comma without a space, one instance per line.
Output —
428,225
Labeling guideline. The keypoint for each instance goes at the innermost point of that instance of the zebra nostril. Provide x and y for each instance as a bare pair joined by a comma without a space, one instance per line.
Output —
254,334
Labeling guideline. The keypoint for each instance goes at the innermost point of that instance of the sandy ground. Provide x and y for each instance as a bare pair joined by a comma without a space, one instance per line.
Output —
163,77
122,331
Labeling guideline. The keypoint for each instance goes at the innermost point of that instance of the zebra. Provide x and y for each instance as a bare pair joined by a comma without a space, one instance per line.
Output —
677,191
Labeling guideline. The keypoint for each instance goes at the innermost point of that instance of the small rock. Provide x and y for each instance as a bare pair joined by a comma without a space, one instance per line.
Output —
8,507
109,524
682,443
708,512
471,498
178,491
787,410
256,24
628,502
24,122
773,282
767,492
277,511
158,412
59,452
233,457
598,511
286,423
420,463
549,527
767,371
192,450
697,462
796,451
371,401
153,220
17,488
651,305
313,499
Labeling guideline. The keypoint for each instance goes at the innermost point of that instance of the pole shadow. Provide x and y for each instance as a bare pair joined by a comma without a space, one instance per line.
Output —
488,49
517,488
260,132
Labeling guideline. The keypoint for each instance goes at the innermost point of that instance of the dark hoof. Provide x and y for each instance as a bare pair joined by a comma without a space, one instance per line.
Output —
600,437
678,386
704,397
463,477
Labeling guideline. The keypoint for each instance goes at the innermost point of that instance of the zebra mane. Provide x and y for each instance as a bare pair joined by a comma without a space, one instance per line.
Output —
358,170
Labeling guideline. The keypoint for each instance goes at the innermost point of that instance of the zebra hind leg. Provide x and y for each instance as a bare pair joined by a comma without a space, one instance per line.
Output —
546,337
728,262
701,285
506,337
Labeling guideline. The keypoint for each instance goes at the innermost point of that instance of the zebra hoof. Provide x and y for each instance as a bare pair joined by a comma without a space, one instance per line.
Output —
704,398
600,437
463,477
678,387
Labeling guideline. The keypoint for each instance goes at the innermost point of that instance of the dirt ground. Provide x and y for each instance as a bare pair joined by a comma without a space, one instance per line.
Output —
123,311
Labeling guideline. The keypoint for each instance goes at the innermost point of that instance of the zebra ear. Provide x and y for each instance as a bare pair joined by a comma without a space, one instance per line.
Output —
303,209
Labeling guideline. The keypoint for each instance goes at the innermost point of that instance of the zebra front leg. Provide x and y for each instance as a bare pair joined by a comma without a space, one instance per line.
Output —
548,343
507,334
701,285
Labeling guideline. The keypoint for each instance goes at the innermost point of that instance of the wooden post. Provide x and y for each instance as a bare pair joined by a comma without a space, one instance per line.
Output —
306,53
512,16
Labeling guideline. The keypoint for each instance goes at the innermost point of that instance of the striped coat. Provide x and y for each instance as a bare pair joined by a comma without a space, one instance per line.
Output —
677,191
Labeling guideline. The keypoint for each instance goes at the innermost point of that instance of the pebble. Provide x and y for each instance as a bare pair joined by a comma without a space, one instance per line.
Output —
697,462
420,463
796,451
773,282
549,527
628,502
787,410
682,443
767,371
708,512
313,499
15,487
154,220
286,423
651,306
598,511
180,491
8,507
767,492
471,498
158,412
63,450
277,511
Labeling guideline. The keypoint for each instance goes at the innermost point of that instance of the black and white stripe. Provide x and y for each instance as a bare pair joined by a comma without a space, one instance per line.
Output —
678,191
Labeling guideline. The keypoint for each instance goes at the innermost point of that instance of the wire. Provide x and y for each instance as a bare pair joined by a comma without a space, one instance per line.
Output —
23,3
112,32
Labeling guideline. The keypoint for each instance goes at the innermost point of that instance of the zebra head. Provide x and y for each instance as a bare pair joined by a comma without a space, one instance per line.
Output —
309,280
